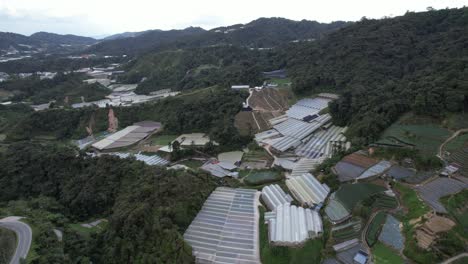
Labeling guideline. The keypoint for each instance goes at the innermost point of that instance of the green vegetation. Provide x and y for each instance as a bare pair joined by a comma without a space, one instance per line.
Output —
379,67
375,227
11,115
213,115
425,134
60,187
351,194
348,231
7,245
415,207
64,88
194,164
462,260
162,140
286,82
384,254
258,177
310,252
456,206
457,143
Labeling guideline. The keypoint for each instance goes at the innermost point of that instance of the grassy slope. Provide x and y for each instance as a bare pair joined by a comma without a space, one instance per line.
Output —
384,254
7,245
456,206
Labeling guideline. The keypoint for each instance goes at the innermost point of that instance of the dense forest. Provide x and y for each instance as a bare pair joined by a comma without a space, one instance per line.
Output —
63,87
65,188
260,33
200,67
211,111
385,67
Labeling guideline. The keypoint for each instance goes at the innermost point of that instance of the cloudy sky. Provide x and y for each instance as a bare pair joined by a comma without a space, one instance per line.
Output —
102,17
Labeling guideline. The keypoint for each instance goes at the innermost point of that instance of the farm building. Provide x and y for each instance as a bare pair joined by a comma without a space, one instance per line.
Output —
226,228
304,166
273,196
153,160
289,225
128,136
432,192
194,139
323,143
240,86
233,158
307,189
281,74
336,211
359,166
398,172
220,169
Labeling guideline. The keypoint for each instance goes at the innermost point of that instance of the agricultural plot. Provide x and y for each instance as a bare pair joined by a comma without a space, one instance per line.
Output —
374,228
411,132
268,100
347,231
382,201
385,255
434,190
461,157
456,207
258,177
411,201
391,233
350,194
419,177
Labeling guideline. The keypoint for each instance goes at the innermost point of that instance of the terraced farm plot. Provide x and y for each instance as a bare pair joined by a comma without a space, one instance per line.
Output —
350,194
268,100
382,201
375,227
461,157
385,255
347,231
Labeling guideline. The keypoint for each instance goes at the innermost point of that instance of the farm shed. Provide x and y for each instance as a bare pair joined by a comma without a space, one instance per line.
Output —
434,190
273,196
283,144
398,172
153,160
346,253
307,189
218,170
128,136
226,228
296,128
289,225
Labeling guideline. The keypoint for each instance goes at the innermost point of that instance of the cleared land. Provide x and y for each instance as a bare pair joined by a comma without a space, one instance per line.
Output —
384,254
7,245
350,194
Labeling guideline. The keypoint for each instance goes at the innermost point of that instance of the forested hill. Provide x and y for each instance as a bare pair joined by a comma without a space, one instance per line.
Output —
42,41
383,68
260,33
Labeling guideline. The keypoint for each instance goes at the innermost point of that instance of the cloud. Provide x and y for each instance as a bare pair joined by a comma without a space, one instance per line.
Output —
96,17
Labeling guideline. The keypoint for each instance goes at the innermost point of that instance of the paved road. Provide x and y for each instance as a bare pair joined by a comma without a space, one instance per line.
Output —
23,234
450,260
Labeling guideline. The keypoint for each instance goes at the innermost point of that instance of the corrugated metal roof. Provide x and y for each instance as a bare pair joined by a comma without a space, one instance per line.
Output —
307,189
284,143
316,103
305,166
226,228
217,170
290,225
299,112
127,136
273,196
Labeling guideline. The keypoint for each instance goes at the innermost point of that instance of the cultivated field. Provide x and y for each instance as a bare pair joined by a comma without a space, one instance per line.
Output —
350,194
257,177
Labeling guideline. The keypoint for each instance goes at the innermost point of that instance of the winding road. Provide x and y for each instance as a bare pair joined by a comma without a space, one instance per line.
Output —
23,235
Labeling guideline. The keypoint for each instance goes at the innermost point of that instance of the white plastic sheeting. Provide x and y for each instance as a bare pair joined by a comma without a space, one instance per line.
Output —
296,128
290,225
226,228
375,170
153,160
273,196
307,189
305,166
321,143
284,143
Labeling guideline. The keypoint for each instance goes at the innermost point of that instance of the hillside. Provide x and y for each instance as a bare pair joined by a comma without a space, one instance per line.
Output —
385,67
41,42
260,33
